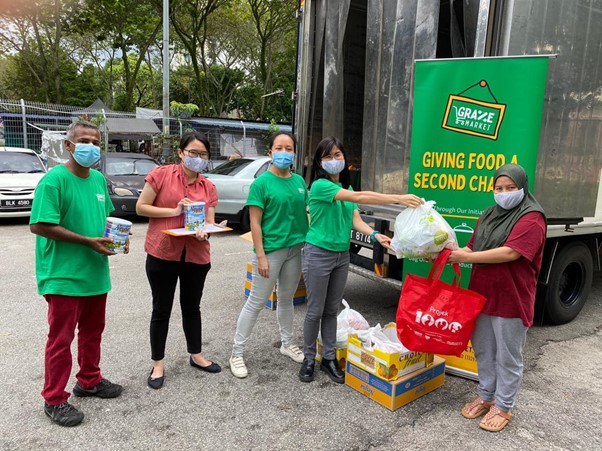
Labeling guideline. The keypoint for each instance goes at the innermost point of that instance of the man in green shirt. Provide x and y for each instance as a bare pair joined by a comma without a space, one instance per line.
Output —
69,212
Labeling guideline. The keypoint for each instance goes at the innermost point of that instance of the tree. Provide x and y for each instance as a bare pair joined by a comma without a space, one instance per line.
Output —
34,29
273,20
146,88
190,21
129,26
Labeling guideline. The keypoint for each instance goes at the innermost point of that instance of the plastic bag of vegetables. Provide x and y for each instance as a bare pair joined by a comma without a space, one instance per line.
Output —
422,232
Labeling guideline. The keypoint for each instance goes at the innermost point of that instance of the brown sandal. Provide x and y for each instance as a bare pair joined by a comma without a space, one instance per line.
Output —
494,412
483,408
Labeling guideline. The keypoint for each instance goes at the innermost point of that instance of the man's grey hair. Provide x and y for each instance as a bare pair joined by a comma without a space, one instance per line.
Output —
76,124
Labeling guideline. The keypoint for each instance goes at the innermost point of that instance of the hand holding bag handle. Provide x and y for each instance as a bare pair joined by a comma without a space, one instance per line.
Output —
439,265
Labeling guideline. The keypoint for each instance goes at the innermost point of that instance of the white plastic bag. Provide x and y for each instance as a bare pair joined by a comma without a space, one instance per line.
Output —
382,339
422,232
348,322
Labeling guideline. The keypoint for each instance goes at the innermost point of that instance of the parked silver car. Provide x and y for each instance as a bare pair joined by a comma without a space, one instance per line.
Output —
20,171
233,180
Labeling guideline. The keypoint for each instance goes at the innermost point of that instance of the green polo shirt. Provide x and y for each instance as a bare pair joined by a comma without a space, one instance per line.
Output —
331,220
81,206
284,205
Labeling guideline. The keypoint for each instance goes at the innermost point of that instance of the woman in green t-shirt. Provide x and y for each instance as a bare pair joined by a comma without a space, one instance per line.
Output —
277,204
333,212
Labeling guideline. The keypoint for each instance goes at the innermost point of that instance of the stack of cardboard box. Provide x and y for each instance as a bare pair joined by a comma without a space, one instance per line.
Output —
392,379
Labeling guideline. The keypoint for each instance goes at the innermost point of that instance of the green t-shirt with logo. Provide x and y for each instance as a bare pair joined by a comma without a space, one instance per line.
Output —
330,220
81,206
284,205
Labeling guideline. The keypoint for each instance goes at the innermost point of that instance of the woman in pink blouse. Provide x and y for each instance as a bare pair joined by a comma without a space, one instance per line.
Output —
187,258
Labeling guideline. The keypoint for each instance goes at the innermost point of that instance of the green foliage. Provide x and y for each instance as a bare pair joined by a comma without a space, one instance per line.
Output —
79,88
129,26
227,54
182,110
273,128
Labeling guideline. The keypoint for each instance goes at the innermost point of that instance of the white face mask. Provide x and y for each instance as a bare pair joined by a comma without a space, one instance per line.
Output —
333,167
509,199
197,165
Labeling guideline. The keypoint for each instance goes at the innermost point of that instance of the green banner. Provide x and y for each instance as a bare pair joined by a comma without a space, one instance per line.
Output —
471,116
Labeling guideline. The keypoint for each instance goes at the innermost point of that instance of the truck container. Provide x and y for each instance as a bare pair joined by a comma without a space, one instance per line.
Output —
355,79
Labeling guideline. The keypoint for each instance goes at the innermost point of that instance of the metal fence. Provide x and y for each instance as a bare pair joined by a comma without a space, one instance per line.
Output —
27,124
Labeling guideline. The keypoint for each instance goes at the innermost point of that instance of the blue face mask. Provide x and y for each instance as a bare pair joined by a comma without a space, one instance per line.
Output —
509,199
333,167
283,160
86,154
197,165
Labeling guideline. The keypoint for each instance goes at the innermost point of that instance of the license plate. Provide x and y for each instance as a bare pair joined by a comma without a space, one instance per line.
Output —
15,203
360,237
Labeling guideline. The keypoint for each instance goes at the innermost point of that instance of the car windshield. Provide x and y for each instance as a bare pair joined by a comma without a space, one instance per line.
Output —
232,167
20,163
129,166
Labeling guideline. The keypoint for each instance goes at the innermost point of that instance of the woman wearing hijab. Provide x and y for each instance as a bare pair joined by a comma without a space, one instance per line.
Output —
506,250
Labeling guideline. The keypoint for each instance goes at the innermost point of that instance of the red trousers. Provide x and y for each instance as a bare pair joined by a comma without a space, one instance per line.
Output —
64,314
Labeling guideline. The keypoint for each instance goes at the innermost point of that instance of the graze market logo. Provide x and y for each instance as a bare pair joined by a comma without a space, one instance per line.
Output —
474,117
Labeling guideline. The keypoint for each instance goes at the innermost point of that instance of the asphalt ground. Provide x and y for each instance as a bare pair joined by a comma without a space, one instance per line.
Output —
558,407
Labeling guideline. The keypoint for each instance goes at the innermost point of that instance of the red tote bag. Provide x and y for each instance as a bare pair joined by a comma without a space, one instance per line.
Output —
434,316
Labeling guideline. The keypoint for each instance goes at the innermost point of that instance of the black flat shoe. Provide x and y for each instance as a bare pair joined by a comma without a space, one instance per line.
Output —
157,383
331,367
306,373
213,368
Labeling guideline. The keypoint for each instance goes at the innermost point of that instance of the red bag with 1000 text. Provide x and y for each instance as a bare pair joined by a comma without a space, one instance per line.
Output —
434,316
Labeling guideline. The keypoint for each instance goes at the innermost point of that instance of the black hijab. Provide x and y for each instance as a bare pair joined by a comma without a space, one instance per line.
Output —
496,223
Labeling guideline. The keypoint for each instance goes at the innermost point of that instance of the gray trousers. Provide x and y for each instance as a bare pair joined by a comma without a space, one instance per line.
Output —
285,268
498,344
325,275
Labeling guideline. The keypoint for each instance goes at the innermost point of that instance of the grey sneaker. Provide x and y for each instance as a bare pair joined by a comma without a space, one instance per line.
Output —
104,389
64,414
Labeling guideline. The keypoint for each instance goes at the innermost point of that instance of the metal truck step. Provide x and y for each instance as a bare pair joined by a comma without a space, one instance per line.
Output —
393,283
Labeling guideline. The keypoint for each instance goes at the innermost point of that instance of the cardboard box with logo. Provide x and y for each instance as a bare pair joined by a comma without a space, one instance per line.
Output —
394,394
463,366
387,366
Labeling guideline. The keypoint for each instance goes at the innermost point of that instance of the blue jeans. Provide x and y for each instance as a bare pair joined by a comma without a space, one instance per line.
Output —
285,268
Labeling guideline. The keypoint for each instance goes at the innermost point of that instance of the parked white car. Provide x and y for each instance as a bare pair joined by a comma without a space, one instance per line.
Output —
233,180
20,172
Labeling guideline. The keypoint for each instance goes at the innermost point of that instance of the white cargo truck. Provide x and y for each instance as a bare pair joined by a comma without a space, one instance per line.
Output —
354,81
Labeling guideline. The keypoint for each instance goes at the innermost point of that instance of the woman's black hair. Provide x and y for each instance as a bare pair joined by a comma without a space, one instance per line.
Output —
188,137
277,134
324,148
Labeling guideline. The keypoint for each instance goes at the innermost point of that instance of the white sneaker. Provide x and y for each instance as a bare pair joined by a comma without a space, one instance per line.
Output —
293,352
238,367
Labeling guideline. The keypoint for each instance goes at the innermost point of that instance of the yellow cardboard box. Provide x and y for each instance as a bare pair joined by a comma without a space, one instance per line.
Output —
382,364
463,366
299,297
397,393
340,354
